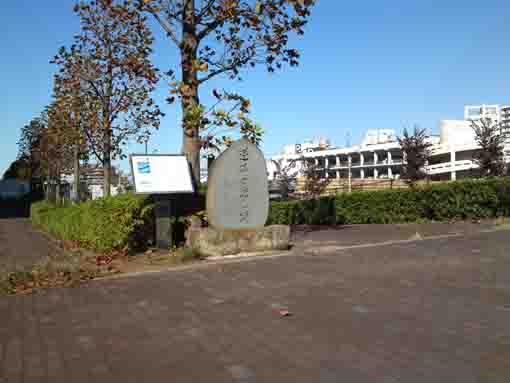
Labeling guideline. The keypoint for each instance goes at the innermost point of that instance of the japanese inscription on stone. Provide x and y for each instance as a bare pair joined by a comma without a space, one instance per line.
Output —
244,212
237,190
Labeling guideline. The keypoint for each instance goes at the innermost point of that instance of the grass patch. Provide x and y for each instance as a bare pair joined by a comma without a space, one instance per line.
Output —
123,222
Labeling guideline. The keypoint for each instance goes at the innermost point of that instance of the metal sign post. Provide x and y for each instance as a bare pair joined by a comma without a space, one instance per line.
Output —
165,177
164,213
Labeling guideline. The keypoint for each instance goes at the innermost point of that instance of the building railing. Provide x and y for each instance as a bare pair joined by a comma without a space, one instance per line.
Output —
450,166
345,165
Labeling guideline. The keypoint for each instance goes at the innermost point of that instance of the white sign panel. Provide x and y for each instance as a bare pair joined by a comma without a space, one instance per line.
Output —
161,174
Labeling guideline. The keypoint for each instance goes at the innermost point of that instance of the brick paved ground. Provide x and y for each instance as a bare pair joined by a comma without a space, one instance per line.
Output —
429,311
21,244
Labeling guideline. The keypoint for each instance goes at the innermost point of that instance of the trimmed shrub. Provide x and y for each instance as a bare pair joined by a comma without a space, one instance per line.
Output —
469,199
311,212
385,206
114,223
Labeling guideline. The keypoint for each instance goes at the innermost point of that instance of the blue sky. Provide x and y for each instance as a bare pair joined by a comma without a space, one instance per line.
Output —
365,65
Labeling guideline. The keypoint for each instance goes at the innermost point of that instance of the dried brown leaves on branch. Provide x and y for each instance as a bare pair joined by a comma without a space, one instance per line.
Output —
229,114
42,142
29,151
110,67
315,182
223,38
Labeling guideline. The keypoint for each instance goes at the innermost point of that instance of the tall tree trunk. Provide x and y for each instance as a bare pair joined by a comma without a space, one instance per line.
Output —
107,161
58,199
191,133
76,180
107,173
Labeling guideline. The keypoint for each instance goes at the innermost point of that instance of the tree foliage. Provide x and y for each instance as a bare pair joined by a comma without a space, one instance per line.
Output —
229,113
222,38
416,150
69,110
20,169
315,183
29,148
102,89
490,139
110,65
56,154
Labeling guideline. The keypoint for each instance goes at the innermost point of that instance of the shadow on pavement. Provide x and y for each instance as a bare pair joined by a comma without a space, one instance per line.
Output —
14,209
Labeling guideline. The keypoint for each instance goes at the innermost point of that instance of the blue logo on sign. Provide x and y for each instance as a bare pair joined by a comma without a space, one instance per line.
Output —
144,167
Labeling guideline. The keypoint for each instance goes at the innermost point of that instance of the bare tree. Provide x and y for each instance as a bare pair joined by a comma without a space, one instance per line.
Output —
489,158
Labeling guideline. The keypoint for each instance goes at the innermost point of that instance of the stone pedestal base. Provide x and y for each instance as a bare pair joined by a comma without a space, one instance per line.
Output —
212,242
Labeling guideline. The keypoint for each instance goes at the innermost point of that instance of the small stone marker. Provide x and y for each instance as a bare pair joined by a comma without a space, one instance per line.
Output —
237,190
238,206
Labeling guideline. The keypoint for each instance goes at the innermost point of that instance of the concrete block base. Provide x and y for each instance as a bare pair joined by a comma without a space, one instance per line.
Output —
212,242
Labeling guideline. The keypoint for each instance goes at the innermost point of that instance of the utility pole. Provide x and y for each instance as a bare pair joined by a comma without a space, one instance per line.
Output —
146,149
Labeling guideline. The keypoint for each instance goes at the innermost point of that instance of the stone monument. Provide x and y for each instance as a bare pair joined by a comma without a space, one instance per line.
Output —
238,205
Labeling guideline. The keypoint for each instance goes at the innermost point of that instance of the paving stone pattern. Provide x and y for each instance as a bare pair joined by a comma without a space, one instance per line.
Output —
429,311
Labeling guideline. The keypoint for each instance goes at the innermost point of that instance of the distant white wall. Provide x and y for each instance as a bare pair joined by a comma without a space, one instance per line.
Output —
272,168
456,132
378,136
96,191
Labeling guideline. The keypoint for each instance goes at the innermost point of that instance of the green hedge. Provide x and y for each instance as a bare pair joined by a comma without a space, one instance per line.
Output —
127,221
470,199
120,222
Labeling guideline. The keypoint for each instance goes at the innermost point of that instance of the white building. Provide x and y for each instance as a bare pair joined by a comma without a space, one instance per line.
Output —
307,146
91,178
499,114
380,155
476,112
505,120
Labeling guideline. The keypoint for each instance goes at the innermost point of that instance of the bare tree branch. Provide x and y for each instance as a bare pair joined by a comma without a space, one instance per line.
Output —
167,28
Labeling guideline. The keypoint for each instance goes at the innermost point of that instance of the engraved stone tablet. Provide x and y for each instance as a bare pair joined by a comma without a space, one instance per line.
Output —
237,192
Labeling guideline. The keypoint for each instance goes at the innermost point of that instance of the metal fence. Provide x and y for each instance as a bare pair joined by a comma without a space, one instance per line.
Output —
342,185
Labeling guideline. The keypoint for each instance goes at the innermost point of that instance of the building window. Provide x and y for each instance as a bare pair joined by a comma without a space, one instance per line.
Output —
473,112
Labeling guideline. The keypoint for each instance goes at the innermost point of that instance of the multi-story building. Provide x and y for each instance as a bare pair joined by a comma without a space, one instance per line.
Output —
497,113
505,121
476,112
91,178
380,155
